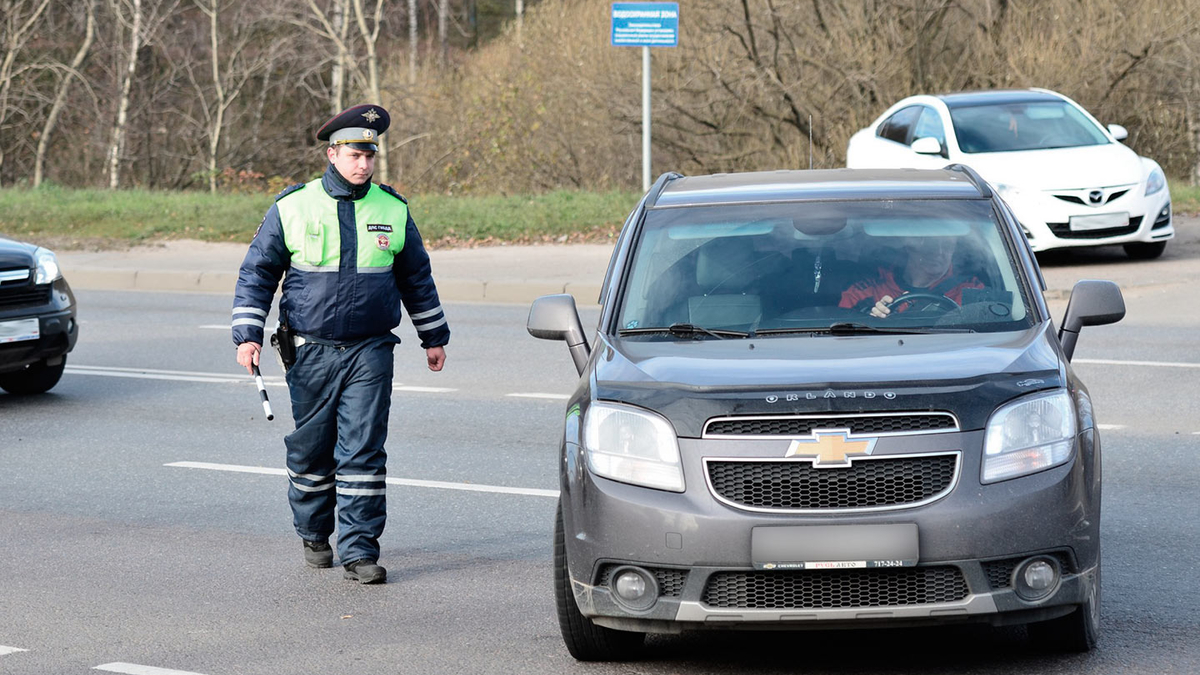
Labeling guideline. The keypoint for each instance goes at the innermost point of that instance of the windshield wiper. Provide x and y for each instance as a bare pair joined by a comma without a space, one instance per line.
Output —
854,328
685,330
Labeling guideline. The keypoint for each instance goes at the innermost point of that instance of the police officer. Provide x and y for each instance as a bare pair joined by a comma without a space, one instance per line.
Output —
349,255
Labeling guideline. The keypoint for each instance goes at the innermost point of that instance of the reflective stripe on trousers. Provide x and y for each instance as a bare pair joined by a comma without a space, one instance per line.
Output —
341,396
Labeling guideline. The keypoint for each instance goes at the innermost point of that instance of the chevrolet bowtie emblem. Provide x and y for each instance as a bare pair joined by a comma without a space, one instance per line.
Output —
830,448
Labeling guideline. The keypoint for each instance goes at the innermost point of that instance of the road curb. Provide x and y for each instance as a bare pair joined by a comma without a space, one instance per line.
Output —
449,290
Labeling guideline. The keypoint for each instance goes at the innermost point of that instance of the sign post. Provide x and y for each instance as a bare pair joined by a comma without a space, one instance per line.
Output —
645,25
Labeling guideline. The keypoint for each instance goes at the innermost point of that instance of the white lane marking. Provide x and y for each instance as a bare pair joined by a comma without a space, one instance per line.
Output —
172,375
1158,364
10,650
538,394
412,482
218,326
135,669
1110,427
425,390
1196,433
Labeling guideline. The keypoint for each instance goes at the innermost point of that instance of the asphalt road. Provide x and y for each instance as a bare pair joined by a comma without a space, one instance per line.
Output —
117,556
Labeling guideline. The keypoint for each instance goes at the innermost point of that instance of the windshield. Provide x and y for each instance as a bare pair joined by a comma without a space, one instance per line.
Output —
826,268
1023,126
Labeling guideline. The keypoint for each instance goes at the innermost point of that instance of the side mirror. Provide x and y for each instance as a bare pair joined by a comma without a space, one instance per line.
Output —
927,146
1118,132
554,317
1092,303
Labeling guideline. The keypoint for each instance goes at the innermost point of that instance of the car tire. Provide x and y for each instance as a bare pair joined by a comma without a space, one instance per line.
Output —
1076,632
585,640
1145,251
37,378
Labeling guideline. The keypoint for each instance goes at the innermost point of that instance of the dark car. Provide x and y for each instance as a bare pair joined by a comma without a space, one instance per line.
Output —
37,319
825,399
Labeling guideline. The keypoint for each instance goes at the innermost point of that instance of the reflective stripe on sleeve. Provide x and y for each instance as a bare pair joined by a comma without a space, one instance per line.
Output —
374,270
249,322
303,267
431,325
250,310
425,315
361,492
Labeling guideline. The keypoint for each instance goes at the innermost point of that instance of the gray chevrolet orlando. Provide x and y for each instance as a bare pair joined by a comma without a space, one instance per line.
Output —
826,399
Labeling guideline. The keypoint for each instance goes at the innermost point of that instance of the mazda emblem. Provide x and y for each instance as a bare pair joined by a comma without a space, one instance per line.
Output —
1095,196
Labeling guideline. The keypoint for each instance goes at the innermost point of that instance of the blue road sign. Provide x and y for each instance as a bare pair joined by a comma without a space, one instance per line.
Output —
645,24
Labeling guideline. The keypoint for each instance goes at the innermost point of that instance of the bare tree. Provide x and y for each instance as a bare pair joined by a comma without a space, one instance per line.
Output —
370,35
412,41
60,97
20,18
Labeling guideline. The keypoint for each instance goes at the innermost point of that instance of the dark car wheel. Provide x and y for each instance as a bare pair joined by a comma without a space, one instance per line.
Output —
1145,251
585,640
1076,632
34,379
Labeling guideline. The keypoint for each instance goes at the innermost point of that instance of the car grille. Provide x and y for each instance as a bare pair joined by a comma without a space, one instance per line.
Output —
829,589
1074,199
857,424
869,482
24,295
999,572
670,581
1063,230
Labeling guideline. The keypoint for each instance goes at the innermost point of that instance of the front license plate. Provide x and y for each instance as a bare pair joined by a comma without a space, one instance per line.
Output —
834,546
1100,221
21,329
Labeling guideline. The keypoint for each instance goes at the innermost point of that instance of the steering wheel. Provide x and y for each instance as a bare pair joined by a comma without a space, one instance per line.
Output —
935,300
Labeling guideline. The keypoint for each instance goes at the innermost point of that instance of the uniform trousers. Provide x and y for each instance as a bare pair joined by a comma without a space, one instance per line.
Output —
341,394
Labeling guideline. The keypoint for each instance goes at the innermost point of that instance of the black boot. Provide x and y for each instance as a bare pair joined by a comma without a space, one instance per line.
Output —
365,572
318,554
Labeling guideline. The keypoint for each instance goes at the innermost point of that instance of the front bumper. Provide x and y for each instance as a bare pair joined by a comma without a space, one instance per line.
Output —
58,329
1046,218
698,549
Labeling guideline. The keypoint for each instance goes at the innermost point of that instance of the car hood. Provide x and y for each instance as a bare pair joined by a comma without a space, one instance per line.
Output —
1060,168
690,381
15,254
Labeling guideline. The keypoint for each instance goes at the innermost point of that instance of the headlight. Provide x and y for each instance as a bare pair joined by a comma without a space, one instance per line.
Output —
47,266
632,446
1028,435
1156,182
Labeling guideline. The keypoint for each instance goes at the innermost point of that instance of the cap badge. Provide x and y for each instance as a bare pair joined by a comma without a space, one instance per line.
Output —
371,115
383,242
367,134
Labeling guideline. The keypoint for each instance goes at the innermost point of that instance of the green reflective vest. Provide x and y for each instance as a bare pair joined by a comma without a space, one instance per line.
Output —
311,232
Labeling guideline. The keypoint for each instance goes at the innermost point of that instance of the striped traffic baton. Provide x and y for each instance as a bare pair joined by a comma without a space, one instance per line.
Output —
262,392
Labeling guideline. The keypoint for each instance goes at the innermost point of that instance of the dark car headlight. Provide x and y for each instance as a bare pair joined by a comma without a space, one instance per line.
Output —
47,266
1028,435
632,445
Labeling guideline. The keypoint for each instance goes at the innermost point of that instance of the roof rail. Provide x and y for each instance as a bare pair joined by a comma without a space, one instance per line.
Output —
980,184
660,185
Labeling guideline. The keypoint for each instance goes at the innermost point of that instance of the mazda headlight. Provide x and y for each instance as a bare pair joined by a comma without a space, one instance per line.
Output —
632,445
47,266
1029,435
1156,182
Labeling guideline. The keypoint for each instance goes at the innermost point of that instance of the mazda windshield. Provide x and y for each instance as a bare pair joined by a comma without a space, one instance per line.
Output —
1011,127
824,268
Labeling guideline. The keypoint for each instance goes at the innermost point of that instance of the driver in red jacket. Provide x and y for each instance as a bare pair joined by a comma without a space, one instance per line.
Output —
929,270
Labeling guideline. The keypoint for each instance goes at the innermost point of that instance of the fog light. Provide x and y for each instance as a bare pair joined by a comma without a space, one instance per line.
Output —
1036,578
634,588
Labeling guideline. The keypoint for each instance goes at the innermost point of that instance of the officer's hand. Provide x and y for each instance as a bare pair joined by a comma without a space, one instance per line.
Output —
436,356
881,309
247,355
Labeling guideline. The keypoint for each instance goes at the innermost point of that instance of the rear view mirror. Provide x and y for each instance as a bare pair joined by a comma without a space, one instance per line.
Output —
927,146
1092,303
554,317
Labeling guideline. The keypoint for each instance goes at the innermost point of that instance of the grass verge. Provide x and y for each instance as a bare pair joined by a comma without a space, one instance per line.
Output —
69,218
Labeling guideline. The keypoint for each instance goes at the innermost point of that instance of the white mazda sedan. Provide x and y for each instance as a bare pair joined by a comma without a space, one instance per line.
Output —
1068,179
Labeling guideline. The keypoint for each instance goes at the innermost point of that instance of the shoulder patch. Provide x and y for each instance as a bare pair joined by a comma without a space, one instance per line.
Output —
392,191
289,190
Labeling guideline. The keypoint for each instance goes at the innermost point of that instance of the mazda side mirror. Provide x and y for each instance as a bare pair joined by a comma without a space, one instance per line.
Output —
1118,132
927,146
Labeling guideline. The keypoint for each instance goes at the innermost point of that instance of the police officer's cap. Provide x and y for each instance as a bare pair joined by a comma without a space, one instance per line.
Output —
359,127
